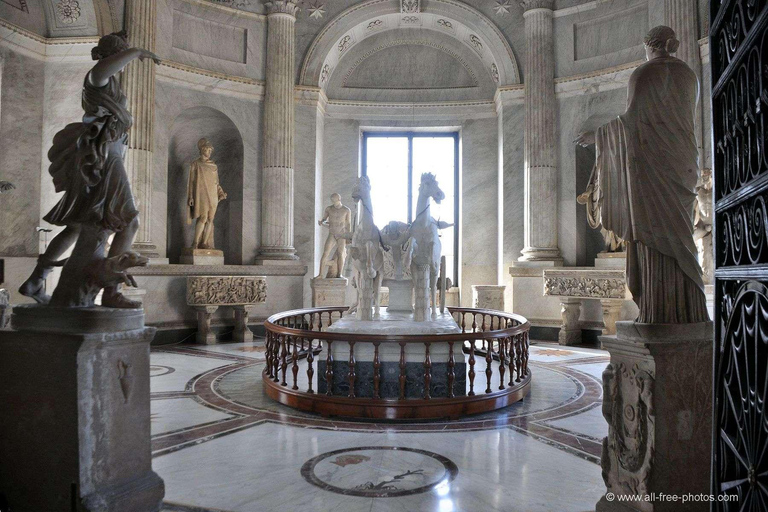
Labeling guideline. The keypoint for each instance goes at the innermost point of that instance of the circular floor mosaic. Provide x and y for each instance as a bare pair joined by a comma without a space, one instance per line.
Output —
379,471
156,370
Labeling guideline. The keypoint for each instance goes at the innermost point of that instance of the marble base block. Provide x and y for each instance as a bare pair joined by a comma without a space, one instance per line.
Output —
488,297
201,257
329,291
75,426
400,295
657,400
611,260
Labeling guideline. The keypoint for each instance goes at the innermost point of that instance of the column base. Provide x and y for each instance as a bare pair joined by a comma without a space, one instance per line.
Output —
542,254
657,400
75,382
277,256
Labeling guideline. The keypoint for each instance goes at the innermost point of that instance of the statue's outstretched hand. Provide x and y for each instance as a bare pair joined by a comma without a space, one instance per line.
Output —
146,54
585,139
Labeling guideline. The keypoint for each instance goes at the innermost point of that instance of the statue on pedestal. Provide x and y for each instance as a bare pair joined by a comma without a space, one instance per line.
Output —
646,172
338,219
87,166
203,195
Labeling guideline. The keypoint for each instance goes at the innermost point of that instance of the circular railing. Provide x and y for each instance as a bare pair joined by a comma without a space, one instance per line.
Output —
483,368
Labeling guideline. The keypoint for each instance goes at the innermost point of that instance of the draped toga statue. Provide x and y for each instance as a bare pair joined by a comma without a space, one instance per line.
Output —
646,171
203,195
87,167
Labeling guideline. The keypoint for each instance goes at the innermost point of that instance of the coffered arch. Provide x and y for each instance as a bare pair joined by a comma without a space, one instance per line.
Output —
452,18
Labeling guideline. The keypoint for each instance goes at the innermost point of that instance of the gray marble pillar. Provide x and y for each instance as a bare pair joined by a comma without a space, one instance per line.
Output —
540,135
278,162
138,83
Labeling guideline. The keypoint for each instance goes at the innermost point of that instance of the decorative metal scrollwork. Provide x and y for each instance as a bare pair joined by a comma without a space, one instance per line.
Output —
741,422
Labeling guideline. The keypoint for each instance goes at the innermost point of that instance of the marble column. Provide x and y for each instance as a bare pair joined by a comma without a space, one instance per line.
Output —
278,162
540,135
138,83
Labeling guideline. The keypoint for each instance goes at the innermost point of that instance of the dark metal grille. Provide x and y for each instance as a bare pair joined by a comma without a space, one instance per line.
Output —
739,57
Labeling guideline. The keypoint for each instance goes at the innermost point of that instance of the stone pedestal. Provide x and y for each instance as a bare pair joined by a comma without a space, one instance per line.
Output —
616,260
400,295
201,257
330,291
75,426
204,333
570,330
242,332
488,296
657,400
611,314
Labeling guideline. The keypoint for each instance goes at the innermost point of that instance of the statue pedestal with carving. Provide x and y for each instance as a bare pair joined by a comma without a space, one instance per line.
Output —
657,400
75,387
201,257
331,291
488,296
206,294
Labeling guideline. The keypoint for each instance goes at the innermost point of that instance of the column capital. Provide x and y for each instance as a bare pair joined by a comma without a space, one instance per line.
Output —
529,5
288,7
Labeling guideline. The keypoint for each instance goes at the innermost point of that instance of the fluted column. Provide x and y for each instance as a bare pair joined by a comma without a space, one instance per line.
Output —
540,135
682,16
277,175
138,83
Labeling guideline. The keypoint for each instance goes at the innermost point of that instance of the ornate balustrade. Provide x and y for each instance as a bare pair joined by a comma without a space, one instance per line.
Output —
485,366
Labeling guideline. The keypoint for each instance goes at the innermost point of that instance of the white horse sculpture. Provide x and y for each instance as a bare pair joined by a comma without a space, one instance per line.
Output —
366,252
427,244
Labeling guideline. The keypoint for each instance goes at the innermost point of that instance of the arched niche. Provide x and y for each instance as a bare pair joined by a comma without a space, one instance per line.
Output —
189,127
452,18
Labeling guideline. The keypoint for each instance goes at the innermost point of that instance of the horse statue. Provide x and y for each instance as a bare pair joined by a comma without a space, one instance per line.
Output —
366,252
427,247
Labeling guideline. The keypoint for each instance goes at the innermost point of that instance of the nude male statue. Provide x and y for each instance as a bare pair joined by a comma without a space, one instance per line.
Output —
338,219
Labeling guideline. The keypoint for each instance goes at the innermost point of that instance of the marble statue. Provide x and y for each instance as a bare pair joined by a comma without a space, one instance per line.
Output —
425,262
338,219
87,166
367,255
702,224
397,238
203,195
646,171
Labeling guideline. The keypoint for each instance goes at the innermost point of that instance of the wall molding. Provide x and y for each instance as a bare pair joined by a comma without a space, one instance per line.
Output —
59,49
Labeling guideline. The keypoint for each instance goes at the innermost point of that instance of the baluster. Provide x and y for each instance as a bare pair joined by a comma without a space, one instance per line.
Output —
402,370
474,322
463,322
351,369
310,369
526,347
376,370
471,368
329,369
295,368
427,371
284,356
311,322
268,352
276,358
511,362
502,359
488,362
483,328
518,358
451,373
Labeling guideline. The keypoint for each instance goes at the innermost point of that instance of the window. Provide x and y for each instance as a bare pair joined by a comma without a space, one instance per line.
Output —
394,163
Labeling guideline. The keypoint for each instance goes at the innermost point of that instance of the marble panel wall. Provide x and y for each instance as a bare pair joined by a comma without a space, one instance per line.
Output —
22,93
172,99
208,36
512,118
479,208
27,14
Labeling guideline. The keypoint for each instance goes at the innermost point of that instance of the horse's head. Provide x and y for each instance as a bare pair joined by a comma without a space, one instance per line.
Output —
362,189
430,187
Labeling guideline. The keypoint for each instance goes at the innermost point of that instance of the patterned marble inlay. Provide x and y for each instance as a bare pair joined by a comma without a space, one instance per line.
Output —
379,471
157,370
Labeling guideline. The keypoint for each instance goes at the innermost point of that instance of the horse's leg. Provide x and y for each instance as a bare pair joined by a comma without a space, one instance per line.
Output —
377,294
433,288
369,259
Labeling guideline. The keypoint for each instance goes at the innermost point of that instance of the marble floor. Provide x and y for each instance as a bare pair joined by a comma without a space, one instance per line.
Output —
221,445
